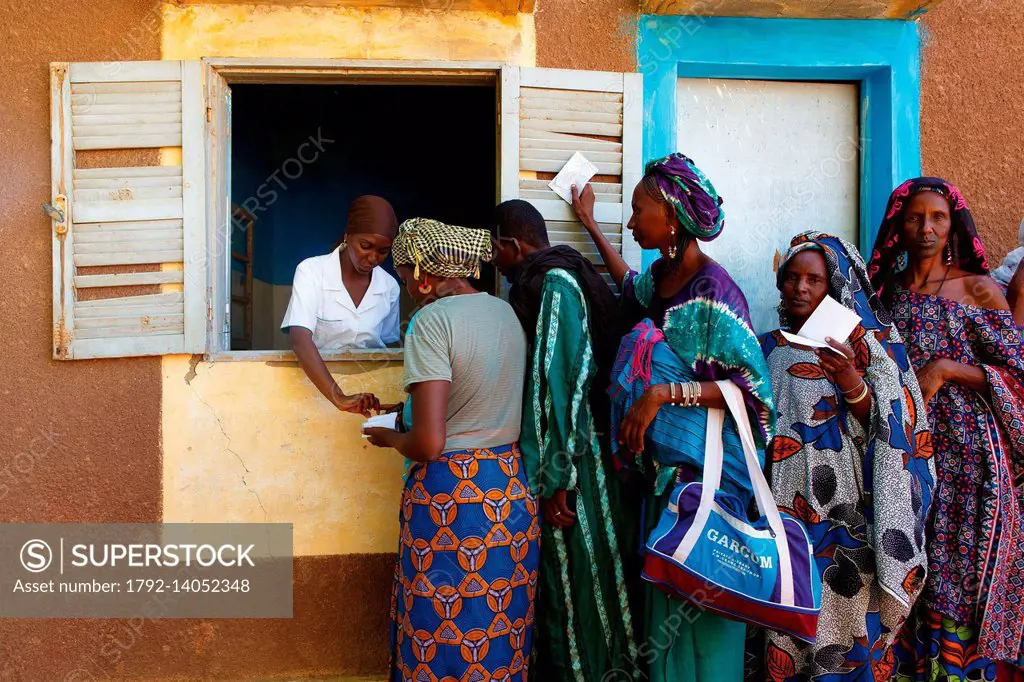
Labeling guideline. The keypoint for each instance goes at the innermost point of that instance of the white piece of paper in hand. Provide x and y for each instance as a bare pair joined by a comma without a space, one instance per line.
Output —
576,171
831,318
381,421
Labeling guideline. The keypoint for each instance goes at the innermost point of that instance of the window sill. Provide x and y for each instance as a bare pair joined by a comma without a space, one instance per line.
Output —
354,355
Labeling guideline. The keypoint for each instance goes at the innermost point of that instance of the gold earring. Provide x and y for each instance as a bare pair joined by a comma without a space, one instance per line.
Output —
672,249
425,288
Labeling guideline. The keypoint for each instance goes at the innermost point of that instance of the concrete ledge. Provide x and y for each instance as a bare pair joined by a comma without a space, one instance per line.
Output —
795,9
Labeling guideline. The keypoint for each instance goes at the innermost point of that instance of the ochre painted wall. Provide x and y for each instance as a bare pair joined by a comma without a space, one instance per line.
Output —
972,119
261,443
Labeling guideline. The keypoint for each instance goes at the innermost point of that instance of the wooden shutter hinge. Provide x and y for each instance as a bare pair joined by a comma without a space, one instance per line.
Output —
209,114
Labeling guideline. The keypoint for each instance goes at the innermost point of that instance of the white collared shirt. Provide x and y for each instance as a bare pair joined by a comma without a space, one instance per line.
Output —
321,303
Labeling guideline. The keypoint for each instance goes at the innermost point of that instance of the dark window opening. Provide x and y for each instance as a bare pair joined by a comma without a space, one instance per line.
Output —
301,153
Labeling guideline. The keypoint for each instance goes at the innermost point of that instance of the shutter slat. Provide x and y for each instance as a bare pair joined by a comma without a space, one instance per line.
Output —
132,330
93,109
140,323
535,99
557,209
135,246
535,139
611,188
610,230
547,195
579,127
147,257
128,193
134,98
537,136
131,311
531,113
129,279
115,211
130,301
129,87
118,183
129,141
94,237
132,130
546,166
83,120
571,95
133,172
563,155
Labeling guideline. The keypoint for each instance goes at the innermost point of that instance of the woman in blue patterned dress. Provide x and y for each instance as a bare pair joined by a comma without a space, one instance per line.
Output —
929,267
851,458
466,577
703,317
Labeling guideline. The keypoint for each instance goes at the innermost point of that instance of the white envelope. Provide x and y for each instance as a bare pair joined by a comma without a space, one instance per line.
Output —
576,171
830,318
381,421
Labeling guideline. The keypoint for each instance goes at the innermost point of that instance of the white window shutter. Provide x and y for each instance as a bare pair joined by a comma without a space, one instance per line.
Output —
128,220
547,115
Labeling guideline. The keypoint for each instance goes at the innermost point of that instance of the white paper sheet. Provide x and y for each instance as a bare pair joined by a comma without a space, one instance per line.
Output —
830,318
576,171
382,421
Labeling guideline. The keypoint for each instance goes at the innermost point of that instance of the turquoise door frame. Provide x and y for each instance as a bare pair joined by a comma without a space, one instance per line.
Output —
883,57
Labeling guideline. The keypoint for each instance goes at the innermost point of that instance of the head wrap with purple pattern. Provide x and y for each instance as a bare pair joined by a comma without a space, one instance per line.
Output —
691,195
968,251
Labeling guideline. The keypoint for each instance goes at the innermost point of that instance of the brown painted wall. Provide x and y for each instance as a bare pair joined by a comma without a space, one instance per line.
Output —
972,117
80,441
597,35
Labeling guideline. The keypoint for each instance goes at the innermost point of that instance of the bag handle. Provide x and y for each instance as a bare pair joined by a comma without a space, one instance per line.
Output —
762,491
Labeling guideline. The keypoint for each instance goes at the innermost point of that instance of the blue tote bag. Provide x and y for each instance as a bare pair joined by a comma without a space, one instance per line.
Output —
703,551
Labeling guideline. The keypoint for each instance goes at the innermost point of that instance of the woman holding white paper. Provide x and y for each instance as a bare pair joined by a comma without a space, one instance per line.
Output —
861,485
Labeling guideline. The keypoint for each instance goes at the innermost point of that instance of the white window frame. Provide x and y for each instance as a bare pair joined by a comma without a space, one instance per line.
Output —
221,73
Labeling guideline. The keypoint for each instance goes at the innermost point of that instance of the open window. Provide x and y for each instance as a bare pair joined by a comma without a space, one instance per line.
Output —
251,165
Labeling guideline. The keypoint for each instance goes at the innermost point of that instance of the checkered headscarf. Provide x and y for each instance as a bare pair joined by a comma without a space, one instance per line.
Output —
442,250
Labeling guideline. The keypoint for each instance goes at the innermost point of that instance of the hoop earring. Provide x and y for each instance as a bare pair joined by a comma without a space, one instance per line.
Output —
672,249
425,288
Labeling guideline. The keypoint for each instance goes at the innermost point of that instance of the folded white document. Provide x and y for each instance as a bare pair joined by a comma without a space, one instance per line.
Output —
382,421
831,318
576,171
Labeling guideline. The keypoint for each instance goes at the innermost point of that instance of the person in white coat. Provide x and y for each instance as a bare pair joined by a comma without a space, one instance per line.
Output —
345,300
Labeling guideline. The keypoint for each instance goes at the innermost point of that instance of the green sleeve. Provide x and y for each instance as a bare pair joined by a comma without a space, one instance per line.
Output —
561,369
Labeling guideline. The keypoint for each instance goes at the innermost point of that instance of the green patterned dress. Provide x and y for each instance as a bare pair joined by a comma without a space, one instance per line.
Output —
584,627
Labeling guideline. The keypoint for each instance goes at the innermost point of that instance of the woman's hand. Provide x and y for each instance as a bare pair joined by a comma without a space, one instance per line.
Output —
640,415
556,510
359,403
381,437
838,366
583,204
932,377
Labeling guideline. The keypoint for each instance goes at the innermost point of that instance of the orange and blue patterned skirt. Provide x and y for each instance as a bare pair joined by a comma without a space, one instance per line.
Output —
462,605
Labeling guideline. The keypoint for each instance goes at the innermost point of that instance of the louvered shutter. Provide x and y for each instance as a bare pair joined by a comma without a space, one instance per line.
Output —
547,115
129,244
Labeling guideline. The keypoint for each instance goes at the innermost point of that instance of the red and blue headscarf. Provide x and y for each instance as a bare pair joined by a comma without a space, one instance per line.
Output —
888,257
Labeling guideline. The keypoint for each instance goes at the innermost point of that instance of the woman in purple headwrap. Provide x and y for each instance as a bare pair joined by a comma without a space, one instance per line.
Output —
930,268
694,308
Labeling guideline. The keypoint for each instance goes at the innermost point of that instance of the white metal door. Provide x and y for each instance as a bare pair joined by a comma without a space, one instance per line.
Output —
785,158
